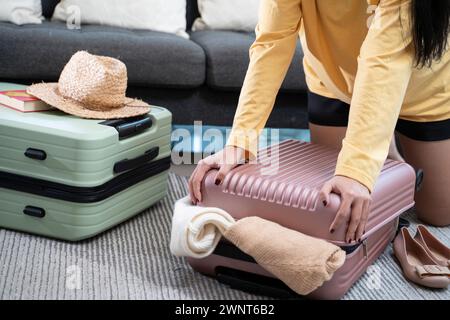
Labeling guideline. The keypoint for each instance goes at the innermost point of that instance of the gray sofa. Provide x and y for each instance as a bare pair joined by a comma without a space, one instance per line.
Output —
197,79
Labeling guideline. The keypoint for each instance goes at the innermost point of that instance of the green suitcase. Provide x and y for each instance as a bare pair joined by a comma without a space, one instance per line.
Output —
71,178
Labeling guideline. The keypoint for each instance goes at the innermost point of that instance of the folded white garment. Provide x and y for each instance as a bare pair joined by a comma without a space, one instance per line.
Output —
196,231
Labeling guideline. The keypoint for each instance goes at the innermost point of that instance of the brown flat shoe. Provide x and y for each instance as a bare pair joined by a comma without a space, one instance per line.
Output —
417,265
435,248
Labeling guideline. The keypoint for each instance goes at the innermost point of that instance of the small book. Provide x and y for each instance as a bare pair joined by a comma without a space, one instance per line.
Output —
21,101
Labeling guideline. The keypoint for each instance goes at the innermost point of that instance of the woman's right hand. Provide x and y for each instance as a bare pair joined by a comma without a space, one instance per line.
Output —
225,160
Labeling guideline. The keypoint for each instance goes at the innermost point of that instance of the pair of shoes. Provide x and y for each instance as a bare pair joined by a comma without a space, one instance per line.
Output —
424,259
436,249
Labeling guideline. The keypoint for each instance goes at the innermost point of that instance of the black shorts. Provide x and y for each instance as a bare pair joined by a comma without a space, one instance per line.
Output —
325,111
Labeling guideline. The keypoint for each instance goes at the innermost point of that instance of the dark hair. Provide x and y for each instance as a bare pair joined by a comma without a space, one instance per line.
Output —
431,26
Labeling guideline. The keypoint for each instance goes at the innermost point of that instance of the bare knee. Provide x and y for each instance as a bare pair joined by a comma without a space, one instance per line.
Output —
437,217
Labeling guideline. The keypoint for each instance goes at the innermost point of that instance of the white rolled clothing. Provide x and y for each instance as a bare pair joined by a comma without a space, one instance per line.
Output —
196,231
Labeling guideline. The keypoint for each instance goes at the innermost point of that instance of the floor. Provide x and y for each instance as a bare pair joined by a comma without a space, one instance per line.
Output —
133,261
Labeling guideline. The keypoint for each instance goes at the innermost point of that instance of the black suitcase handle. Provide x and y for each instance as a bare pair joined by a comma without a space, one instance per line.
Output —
129,164
131,126
36,154
255,284
34,211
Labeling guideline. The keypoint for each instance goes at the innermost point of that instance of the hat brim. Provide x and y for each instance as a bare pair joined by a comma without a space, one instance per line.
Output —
49,93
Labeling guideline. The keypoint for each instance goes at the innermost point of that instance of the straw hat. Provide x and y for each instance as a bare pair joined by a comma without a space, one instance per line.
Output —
91,87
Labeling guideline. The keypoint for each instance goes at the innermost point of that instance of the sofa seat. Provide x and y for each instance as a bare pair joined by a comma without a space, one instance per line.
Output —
227,59
156,59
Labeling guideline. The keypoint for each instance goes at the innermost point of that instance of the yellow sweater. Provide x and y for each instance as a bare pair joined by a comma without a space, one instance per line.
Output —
357,51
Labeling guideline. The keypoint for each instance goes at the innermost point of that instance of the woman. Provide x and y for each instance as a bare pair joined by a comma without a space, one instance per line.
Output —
366,70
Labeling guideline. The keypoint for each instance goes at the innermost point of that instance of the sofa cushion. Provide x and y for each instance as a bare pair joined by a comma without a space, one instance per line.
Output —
227,59
21,12
234,15
39,52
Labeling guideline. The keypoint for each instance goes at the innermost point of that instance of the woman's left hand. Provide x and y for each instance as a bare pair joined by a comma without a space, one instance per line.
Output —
354,208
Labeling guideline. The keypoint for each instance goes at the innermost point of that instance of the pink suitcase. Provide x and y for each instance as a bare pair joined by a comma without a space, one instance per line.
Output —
283,187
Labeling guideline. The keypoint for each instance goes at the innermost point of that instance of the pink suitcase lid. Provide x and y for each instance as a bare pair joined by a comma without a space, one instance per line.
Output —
285,183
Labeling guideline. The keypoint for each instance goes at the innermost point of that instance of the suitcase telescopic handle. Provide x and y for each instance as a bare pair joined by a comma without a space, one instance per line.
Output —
131,126
129,164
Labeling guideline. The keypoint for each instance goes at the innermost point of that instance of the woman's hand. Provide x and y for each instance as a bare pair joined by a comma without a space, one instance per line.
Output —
355,205
224,160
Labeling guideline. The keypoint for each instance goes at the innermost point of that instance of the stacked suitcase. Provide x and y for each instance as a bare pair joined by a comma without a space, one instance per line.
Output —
72,178
284,187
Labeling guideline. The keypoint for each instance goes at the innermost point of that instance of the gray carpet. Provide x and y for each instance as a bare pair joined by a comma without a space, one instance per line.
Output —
132,261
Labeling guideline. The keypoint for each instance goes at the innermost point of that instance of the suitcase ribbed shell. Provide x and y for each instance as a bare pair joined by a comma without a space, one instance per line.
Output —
80,152
284,185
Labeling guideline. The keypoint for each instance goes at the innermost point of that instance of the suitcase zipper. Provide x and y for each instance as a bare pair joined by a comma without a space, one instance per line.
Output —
69,193
365,249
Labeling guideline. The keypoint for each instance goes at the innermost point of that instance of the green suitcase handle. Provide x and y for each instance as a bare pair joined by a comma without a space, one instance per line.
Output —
129,164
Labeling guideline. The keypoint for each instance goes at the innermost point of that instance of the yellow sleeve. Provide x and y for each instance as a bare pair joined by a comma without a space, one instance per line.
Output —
270,57
384,70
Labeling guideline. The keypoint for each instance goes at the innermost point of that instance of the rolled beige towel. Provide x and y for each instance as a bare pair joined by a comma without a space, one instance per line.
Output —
302,262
